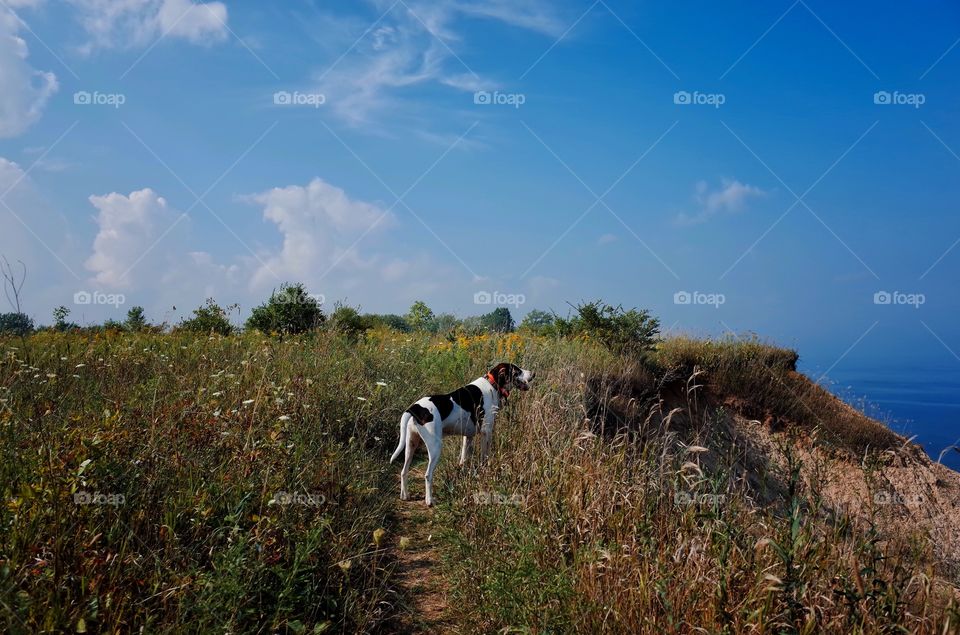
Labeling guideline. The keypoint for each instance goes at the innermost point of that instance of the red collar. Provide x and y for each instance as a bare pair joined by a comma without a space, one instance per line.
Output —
493,382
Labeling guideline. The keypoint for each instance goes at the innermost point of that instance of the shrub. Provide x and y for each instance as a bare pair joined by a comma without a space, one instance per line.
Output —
135,321
15,324
626,332
60,323
420,317
348,321
538,322
389,320
498,321
289,311
209,318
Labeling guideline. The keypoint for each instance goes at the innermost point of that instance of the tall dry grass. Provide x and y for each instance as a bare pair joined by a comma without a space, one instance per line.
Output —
654,528
178,483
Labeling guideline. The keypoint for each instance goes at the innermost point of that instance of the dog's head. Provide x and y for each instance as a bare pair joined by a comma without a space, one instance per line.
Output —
509,376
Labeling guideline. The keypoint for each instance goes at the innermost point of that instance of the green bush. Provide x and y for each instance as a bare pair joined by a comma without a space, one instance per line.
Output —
289,311
136,321
15,324
626,332
420,317
348,321
209,318
538,322
389,320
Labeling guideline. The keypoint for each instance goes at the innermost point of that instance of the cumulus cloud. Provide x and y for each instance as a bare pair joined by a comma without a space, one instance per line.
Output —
333,243
24,91
319,223
115,24
415,45
129,230
730,198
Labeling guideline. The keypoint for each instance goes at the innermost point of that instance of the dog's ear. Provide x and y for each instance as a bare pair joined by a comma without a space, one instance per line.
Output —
500,372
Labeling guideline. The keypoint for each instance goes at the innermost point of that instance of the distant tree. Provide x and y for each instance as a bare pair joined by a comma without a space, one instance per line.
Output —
420,317
473,325
135,320
348,321
446,323
207,319
389,320
60,315
498,321
537,322
15,324
290,310
113,325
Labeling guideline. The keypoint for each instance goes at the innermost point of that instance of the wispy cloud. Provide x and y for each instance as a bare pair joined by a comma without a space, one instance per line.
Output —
418,43
730,198
132,23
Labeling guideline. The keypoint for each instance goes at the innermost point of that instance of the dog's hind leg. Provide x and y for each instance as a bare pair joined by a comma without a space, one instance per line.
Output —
466,450
434,442
412,441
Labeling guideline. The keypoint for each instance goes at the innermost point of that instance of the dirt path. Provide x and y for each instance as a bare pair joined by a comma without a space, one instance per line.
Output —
419,582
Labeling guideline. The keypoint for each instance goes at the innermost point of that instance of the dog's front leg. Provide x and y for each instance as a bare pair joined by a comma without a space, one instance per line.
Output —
487,439
466,450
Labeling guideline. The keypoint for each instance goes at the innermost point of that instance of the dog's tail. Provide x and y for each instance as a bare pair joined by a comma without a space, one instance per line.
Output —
404,420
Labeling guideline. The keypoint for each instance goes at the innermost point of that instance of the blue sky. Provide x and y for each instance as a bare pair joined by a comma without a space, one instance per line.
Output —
780,201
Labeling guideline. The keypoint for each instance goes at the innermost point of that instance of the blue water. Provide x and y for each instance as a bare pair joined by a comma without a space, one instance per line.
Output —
913,401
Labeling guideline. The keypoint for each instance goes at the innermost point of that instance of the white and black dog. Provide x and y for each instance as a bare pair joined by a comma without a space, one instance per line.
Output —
465,411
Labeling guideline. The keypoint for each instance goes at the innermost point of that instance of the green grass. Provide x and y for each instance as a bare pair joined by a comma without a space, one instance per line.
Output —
248,476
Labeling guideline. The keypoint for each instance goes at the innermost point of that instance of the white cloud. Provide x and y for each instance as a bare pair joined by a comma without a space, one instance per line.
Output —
129,228
730,198
415,45
130,23
606,239
319,223
24,91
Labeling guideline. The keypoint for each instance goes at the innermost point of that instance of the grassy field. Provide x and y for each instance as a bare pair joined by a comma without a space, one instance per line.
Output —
181,483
